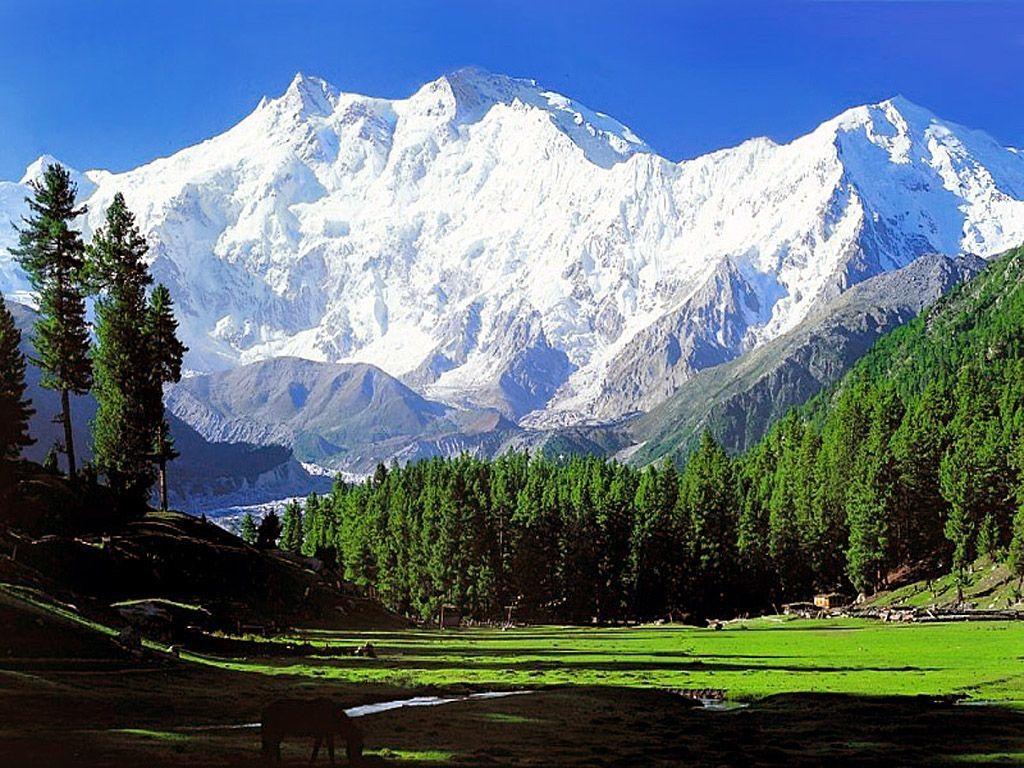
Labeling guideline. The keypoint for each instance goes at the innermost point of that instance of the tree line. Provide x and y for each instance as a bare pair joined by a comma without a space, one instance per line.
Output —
916,457
135,353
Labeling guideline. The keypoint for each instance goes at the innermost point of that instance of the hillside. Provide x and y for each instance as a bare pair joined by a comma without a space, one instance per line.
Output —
346,416
167,570
739,401
915,455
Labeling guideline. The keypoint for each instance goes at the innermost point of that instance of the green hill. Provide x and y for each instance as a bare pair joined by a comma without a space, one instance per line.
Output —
914,457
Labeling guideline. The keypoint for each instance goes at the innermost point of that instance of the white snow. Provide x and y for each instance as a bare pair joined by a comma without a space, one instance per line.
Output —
485,214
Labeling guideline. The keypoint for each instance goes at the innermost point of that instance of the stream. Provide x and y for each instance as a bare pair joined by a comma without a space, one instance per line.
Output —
381,706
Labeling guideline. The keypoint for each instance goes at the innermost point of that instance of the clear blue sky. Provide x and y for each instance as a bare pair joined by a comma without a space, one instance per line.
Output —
111,83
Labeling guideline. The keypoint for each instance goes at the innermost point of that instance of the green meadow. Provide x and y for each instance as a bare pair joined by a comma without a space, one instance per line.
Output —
747,660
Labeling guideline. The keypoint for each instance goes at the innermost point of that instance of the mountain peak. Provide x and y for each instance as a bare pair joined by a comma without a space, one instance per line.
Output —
486,85
913,113
37,168
309,95
472,91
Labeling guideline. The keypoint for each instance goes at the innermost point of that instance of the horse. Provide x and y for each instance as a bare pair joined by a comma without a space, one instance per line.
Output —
320,718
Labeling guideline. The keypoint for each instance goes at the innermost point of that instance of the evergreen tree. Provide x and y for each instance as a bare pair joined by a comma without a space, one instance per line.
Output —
291,527
865,555
1015,558
708,499
50,465
123,431
988,538
248,529
165,356
269,531
52,253
15,410
871,501
1015,552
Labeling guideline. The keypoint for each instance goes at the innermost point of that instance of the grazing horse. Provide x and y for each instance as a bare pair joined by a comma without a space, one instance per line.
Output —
320,718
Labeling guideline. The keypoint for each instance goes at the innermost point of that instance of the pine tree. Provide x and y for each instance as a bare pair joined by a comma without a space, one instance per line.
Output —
269,531
988,538
707,496
865,555
291,527
123,432
15,410
1015,553
50,465
165,356
53,255
248,529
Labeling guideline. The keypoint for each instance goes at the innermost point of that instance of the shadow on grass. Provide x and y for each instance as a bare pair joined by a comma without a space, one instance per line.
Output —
631,727
459,665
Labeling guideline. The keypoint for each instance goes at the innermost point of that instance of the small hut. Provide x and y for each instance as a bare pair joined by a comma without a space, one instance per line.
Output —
831,600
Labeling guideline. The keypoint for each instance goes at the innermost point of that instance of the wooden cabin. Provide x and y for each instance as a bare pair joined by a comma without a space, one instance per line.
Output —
831,600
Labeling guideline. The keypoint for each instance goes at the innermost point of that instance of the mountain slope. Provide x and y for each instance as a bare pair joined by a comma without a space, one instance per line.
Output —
497,245
739,400
914,457
348,416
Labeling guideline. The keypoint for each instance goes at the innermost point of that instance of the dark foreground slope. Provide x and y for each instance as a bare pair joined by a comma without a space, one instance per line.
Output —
168,571
738,401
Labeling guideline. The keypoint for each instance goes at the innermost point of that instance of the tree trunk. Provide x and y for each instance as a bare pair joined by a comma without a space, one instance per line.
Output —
69,441
163,484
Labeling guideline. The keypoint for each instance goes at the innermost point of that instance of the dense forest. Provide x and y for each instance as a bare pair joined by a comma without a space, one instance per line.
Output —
915,456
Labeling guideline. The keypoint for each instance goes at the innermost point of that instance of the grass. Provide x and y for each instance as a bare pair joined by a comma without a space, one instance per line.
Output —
507,719
749,660
413,755
994,758
602,696
43,602
151,734
989,586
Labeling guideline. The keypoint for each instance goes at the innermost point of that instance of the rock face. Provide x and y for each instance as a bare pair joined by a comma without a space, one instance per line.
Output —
495,245
739,400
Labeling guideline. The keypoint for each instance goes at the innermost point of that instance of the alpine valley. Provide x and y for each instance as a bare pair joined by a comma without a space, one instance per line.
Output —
487,265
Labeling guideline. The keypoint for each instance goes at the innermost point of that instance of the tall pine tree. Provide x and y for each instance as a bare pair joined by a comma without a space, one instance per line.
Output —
248,529
291,527
15,410
52,253
123,431
165,355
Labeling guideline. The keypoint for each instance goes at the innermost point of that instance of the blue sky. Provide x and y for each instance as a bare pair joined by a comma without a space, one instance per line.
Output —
111,84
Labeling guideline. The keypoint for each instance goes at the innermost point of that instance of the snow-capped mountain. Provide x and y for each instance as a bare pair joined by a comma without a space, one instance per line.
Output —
492,243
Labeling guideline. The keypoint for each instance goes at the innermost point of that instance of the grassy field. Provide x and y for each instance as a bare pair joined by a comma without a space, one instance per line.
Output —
817,692
748,660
